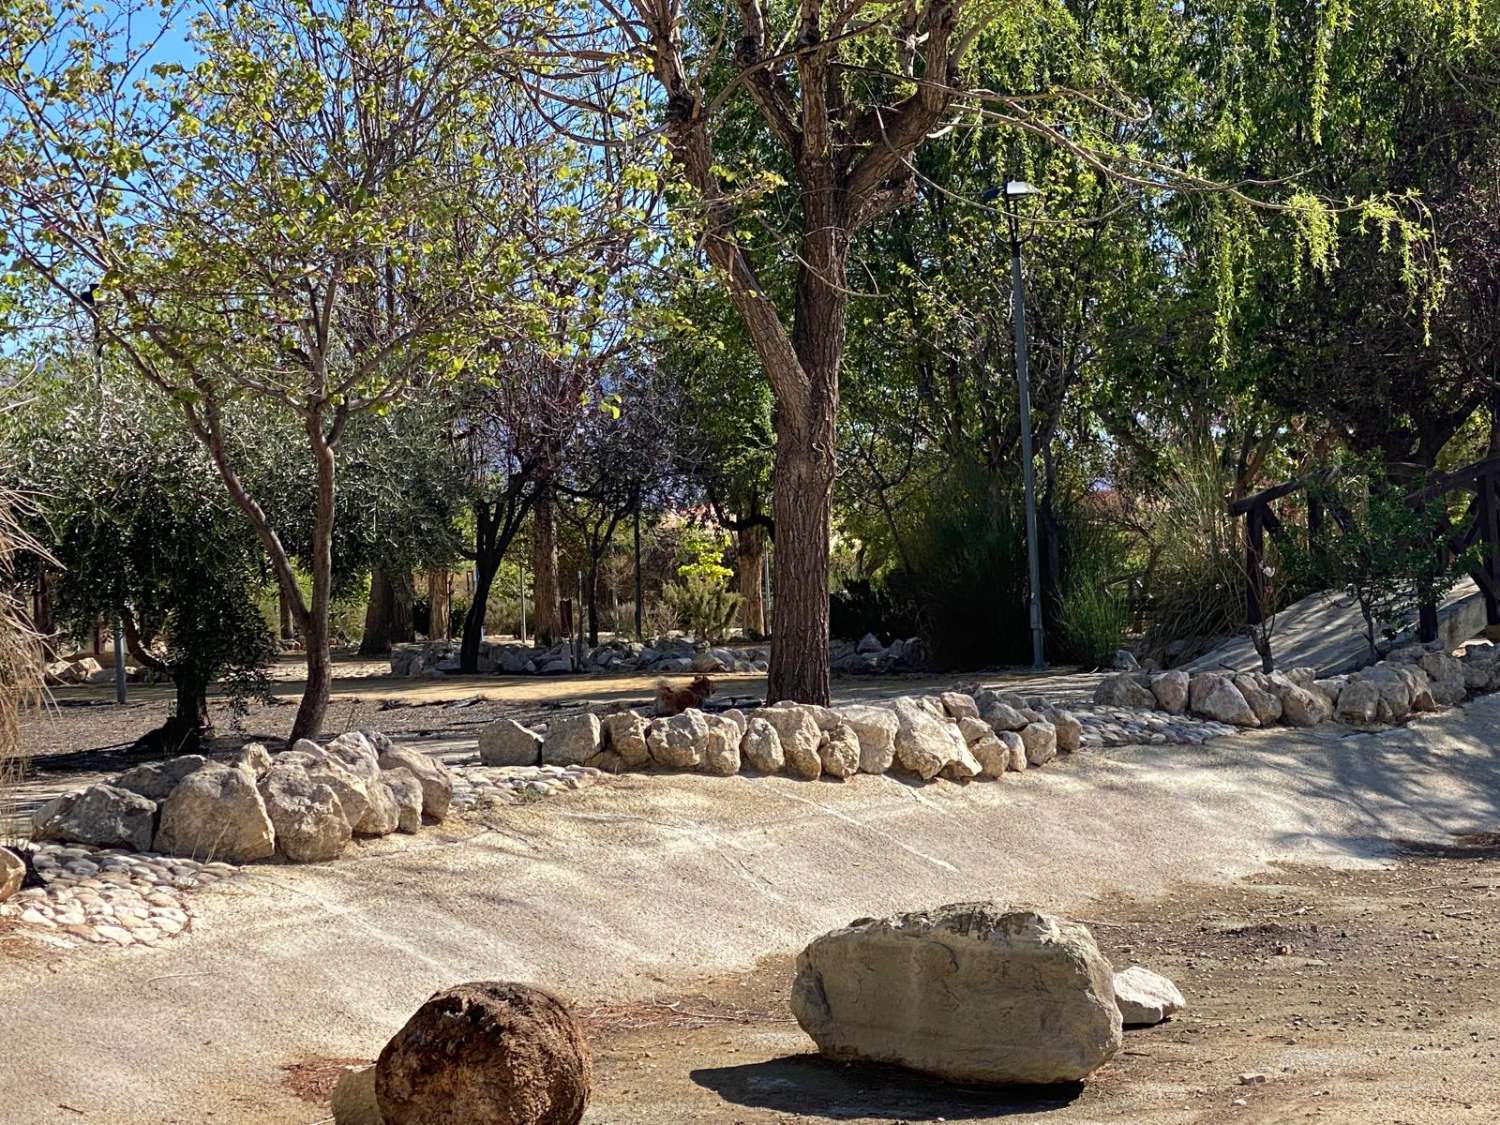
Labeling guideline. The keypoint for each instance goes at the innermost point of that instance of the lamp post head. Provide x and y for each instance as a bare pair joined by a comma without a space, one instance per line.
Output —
1015,189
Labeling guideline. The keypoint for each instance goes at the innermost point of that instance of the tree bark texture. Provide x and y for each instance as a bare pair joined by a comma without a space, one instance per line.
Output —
439,604
749,561
546,622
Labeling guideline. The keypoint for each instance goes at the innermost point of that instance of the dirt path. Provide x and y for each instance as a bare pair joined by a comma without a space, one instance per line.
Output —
1315,994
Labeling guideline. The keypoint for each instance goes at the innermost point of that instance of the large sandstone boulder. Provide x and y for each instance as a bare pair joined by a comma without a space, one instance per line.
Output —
679,742
436,780
1003,717
1446,674
992,754
875,728
1359,702
486,1053
1069,730
624,732
1040,741
506,742
154,780
924,742
1215,697
1302,707
216,813
1258,693
839,752
1016,747
104,816
959,705
800,737
1124,689
963,766
760,748
571,740
1146,998
968,993
1170,690
309,820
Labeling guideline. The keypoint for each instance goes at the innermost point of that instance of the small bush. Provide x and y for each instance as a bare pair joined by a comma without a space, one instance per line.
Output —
1092,614
703,604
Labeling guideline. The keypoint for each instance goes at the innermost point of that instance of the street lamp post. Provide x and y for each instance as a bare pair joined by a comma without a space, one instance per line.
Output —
1014,192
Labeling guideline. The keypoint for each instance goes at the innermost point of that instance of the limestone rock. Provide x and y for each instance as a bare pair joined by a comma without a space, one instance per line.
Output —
1359,702
1265,705
1002,717
1215,697
992,754
1304,708
973,729
105,816
437,782
253,758
571,740
216,813
1016,747
800,737
309,820
1069,730
625,734
959,705
875,728
405,792
1040,741
486,1053
925,743
963,766
721,751
679,742
506,742
760,748
968,993
1170,690
12,873
839,752
1124,689
154,780
1146,998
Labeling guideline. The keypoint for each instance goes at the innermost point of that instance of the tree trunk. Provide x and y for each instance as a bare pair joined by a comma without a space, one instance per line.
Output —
591,595
439,605
485,569
284,612
379,613
749,559
546,624
314,705
403,595
189,726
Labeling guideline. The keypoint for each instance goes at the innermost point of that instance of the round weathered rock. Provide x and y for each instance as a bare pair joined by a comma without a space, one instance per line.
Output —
1146,998
838,751
486,1053
761,746
506,742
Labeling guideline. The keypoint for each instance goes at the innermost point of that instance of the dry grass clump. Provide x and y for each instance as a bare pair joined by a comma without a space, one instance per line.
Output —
20,658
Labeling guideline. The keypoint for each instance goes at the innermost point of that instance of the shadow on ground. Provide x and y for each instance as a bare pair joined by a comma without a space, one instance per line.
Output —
814,1087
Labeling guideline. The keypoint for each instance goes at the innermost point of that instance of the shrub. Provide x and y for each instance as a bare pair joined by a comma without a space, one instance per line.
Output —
1092,613
703,604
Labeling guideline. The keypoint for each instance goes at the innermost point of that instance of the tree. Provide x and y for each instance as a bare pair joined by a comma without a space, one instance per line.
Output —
271,226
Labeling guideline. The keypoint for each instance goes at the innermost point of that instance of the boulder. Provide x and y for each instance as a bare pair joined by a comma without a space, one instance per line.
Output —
800,737
1359,702
968,993
486,1053
354,1097
506,742
1400,686
679,742
875,727
963,766
869,643
1170,690
1124,661
12,873
839,752
571,740
154,780
925,743
1069,730
1446,676
405,793
1040,741
721,752
1215,697
253,758
1304,708
974,729
1265,705
1002,716
1146,998
992,754
1124,689
104,816
959,705
437,782
760,747
309,820
216,813
625,733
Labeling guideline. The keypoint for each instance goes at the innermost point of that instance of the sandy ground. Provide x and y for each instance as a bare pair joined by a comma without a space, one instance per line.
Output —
638,892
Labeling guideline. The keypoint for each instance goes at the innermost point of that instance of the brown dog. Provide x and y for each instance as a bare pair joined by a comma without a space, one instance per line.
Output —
672,700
